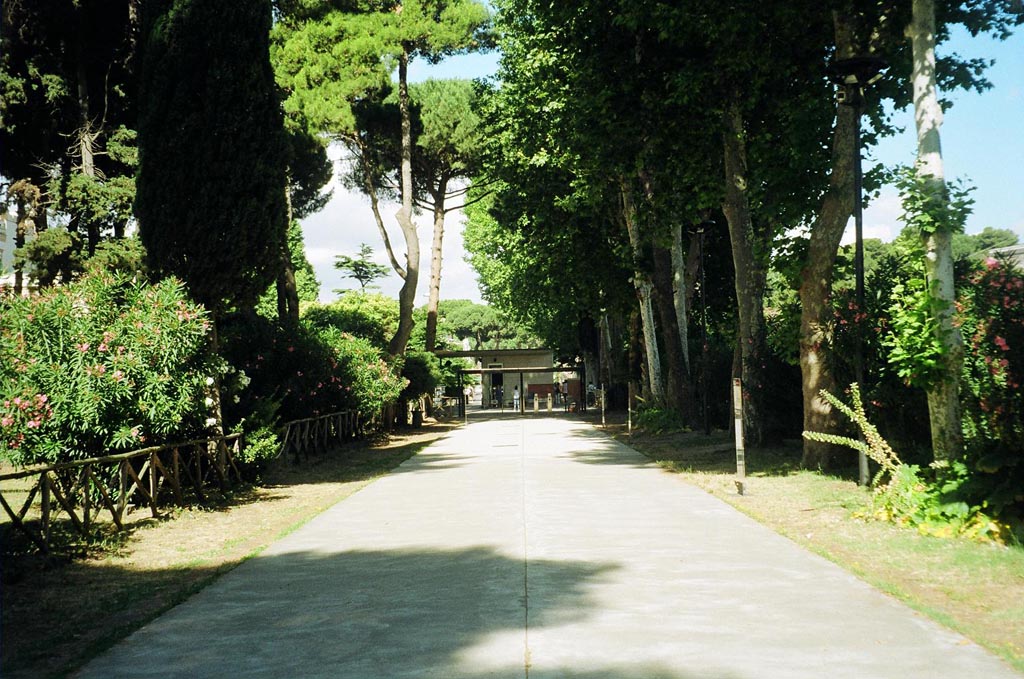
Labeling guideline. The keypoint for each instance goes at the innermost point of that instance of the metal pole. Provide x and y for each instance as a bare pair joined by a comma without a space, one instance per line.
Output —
858,263
602,405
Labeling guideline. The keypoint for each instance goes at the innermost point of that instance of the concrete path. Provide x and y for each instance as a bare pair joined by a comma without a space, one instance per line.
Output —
540,548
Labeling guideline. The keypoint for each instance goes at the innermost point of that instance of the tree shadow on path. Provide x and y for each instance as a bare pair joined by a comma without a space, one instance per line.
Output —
364,614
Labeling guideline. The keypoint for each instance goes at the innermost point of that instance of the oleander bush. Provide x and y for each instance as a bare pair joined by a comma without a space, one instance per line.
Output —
991,317
309,370
103,364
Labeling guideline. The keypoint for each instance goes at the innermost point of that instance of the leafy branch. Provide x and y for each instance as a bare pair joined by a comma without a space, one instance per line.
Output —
873,445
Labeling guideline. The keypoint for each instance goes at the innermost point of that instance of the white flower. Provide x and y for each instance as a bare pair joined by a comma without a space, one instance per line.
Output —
209,402
211,421
209,381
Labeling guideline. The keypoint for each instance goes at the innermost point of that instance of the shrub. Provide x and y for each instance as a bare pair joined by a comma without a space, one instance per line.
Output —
104,363
303,372
371,316
936,503
991,316
364,368
423,371
658,420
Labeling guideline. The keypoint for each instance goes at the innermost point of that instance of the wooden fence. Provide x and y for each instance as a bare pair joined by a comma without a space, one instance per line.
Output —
146,478
151,478
317,434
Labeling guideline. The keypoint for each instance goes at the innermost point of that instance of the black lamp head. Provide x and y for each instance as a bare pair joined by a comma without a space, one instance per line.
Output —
859,71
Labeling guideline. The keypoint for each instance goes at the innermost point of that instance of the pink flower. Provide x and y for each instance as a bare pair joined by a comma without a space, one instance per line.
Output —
102,347
6,420
991,263
1001,343
32,424
83,347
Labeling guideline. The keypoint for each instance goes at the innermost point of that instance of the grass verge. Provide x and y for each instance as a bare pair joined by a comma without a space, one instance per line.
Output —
56,615
976,589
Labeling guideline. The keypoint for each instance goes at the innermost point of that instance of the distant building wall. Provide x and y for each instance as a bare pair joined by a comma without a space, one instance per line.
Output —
531,383
8,231
1014,253
7,234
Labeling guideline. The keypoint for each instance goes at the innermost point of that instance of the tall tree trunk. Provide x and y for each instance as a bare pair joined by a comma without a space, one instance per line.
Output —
635,369
435,264
644,288
287,289
751,273
816,276
679,294
86,139
943,397
676,391
28,197
407,295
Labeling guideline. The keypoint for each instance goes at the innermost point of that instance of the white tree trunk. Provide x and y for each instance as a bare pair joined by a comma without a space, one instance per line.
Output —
434,297
943,398
679,292
642,284
407,295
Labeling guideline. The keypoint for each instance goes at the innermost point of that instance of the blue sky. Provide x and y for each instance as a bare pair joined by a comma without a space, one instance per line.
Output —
982,143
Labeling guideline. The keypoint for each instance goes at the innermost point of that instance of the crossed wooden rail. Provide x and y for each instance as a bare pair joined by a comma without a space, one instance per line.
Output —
151,477
84,488
317,434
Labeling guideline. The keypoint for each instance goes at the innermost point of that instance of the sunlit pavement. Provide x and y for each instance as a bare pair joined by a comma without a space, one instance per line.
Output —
537,547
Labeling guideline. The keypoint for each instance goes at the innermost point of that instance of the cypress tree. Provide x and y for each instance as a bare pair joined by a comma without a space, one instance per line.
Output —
210,198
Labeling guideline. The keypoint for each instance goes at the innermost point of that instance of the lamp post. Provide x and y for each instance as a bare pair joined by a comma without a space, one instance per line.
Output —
852,76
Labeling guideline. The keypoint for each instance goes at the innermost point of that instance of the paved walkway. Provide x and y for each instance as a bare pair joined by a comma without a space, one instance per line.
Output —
540,548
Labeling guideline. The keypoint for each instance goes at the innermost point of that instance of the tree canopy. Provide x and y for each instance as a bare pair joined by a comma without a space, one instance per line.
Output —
211,211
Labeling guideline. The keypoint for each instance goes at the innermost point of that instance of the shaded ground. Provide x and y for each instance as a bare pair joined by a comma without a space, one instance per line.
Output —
56,615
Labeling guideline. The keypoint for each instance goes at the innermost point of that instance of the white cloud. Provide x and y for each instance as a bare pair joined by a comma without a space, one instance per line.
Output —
347,221
881,218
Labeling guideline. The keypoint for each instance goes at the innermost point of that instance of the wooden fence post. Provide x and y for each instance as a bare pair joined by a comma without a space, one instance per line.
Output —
86,499
44,489
153,485
122,496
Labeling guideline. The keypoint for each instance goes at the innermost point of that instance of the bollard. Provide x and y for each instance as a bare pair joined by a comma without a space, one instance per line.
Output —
549,403
737,401
536,403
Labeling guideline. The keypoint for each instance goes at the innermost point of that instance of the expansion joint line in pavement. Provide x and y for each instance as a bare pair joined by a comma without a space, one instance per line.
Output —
526,557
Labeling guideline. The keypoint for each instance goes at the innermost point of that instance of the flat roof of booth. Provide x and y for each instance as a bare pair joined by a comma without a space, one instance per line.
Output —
487,371
486,353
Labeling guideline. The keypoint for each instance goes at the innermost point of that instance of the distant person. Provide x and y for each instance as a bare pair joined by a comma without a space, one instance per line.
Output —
558,394
515,398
